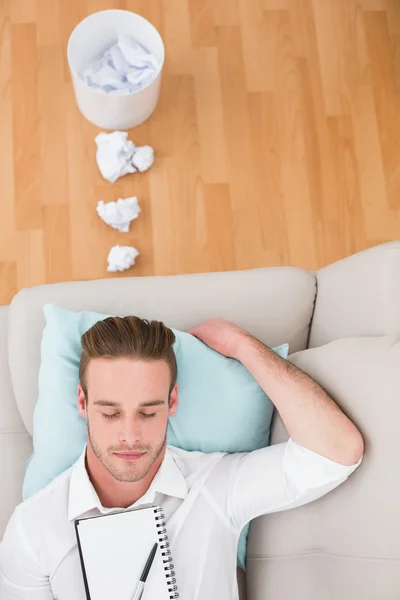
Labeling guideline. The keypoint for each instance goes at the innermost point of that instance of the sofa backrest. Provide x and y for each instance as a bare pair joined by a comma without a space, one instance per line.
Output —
274,304
358,296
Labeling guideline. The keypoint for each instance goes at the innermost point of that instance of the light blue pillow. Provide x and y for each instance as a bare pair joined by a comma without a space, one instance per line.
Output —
221,406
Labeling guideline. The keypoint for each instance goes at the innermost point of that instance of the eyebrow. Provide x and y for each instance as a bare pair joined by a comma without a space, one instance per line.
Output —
118,405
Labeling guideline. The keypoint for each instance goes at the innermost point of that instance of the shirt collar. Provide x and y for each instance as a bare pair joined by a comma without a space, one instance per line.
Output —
169,480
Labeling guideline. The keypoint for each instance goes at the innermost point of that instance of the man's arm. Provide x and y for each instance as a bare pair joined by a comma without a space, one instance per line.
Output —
311,417
324,446
20,574
246,485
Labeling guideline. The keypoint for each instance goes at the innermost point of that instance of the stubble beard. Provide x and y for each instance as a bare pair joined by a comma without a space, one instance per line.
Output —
132,471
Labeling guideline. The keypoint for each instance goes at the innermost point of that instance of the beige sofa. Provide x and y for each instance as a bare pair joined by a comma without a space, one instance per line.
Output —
342,547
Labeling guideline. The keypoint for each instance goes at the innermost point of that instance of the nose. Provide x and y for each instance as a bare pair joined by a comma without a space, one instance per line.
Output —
131,433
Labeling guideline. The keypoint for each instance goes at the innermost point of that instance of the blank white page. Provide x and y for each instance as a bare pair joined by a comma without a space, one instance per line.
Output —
115,548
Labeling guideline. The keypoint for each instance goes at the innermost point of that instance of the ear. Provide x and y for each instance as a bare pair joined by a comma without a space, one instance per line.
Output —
173,402
82,402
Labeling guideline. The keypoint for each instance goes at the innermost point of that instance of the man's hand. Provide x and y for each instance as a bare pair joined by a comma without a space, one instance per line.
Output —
222,336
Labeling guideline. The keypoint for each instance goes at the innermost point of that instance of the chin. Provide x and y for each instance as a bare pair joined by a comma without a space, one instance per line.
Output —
129,477
130,472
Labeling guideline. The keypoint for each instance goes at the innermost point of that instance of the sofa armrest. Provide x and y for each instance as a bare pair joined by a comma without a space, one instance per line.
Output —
15,442
15,450
358,296
10,419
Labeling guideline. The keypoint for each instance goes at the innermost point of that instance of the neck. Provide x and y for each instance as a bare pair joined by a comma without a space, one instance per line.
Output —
113,493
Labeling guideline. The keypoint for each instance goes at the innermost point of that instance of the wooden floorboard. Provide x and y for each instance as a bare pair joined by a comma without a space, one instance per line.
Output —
277,140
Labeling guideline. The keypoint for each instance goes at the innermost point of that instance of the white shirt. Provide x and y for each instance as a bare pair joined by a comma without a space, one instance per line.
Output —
207,500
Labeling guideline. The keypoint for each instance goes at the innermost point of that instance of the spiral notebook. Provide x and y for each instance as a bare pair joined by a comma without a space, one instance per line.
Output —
113,550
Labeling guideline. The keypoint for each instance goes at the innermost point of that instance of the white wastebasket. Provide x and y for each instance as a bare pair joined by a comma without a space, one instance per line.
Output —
89,41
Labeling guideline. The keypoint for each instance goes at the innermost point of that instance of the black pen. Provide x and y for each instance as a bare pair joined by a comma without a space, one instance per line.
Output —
140,588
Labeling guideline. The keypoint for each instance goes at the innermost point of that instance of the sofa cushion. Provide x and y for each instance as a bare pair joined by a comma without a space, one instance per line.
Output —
273,304
354,527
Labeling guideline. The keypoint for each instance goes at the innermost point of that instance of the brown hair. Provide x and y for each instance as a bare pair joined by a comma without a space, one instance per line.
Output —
131,337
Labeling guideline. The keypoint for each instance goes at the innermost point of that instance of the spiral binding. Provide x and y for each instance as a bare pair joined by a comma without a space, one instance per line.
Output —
166,552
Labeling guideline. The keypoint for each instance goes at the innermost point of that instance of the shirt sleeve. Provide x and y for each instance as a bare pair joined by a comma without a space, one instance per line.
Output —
282,476
20,574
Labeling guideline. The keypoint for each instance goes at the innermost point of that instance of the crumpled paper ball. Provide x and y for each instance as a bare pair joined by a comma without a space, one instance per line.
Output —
114,155
117,156
119,214
121,258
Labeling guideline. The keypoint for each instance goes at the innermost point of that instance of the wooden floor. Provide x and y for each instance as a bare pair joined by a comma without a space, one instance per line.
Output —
277,138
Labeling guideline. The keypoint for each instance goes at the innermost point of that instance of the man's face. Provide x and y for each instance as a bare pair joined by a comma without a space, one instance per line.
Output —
121,420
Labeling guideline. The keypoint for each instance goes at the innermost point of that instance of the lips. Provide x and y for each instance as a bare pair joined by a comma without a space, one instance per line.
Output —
129,455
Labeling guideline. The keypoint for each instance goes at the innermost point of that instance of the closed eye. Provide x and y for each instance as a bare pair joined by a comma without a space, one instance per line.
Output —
144,415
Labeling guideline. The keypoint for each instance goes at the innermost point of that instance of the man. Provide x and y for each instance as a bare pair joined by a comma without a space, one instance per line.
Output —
127,392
